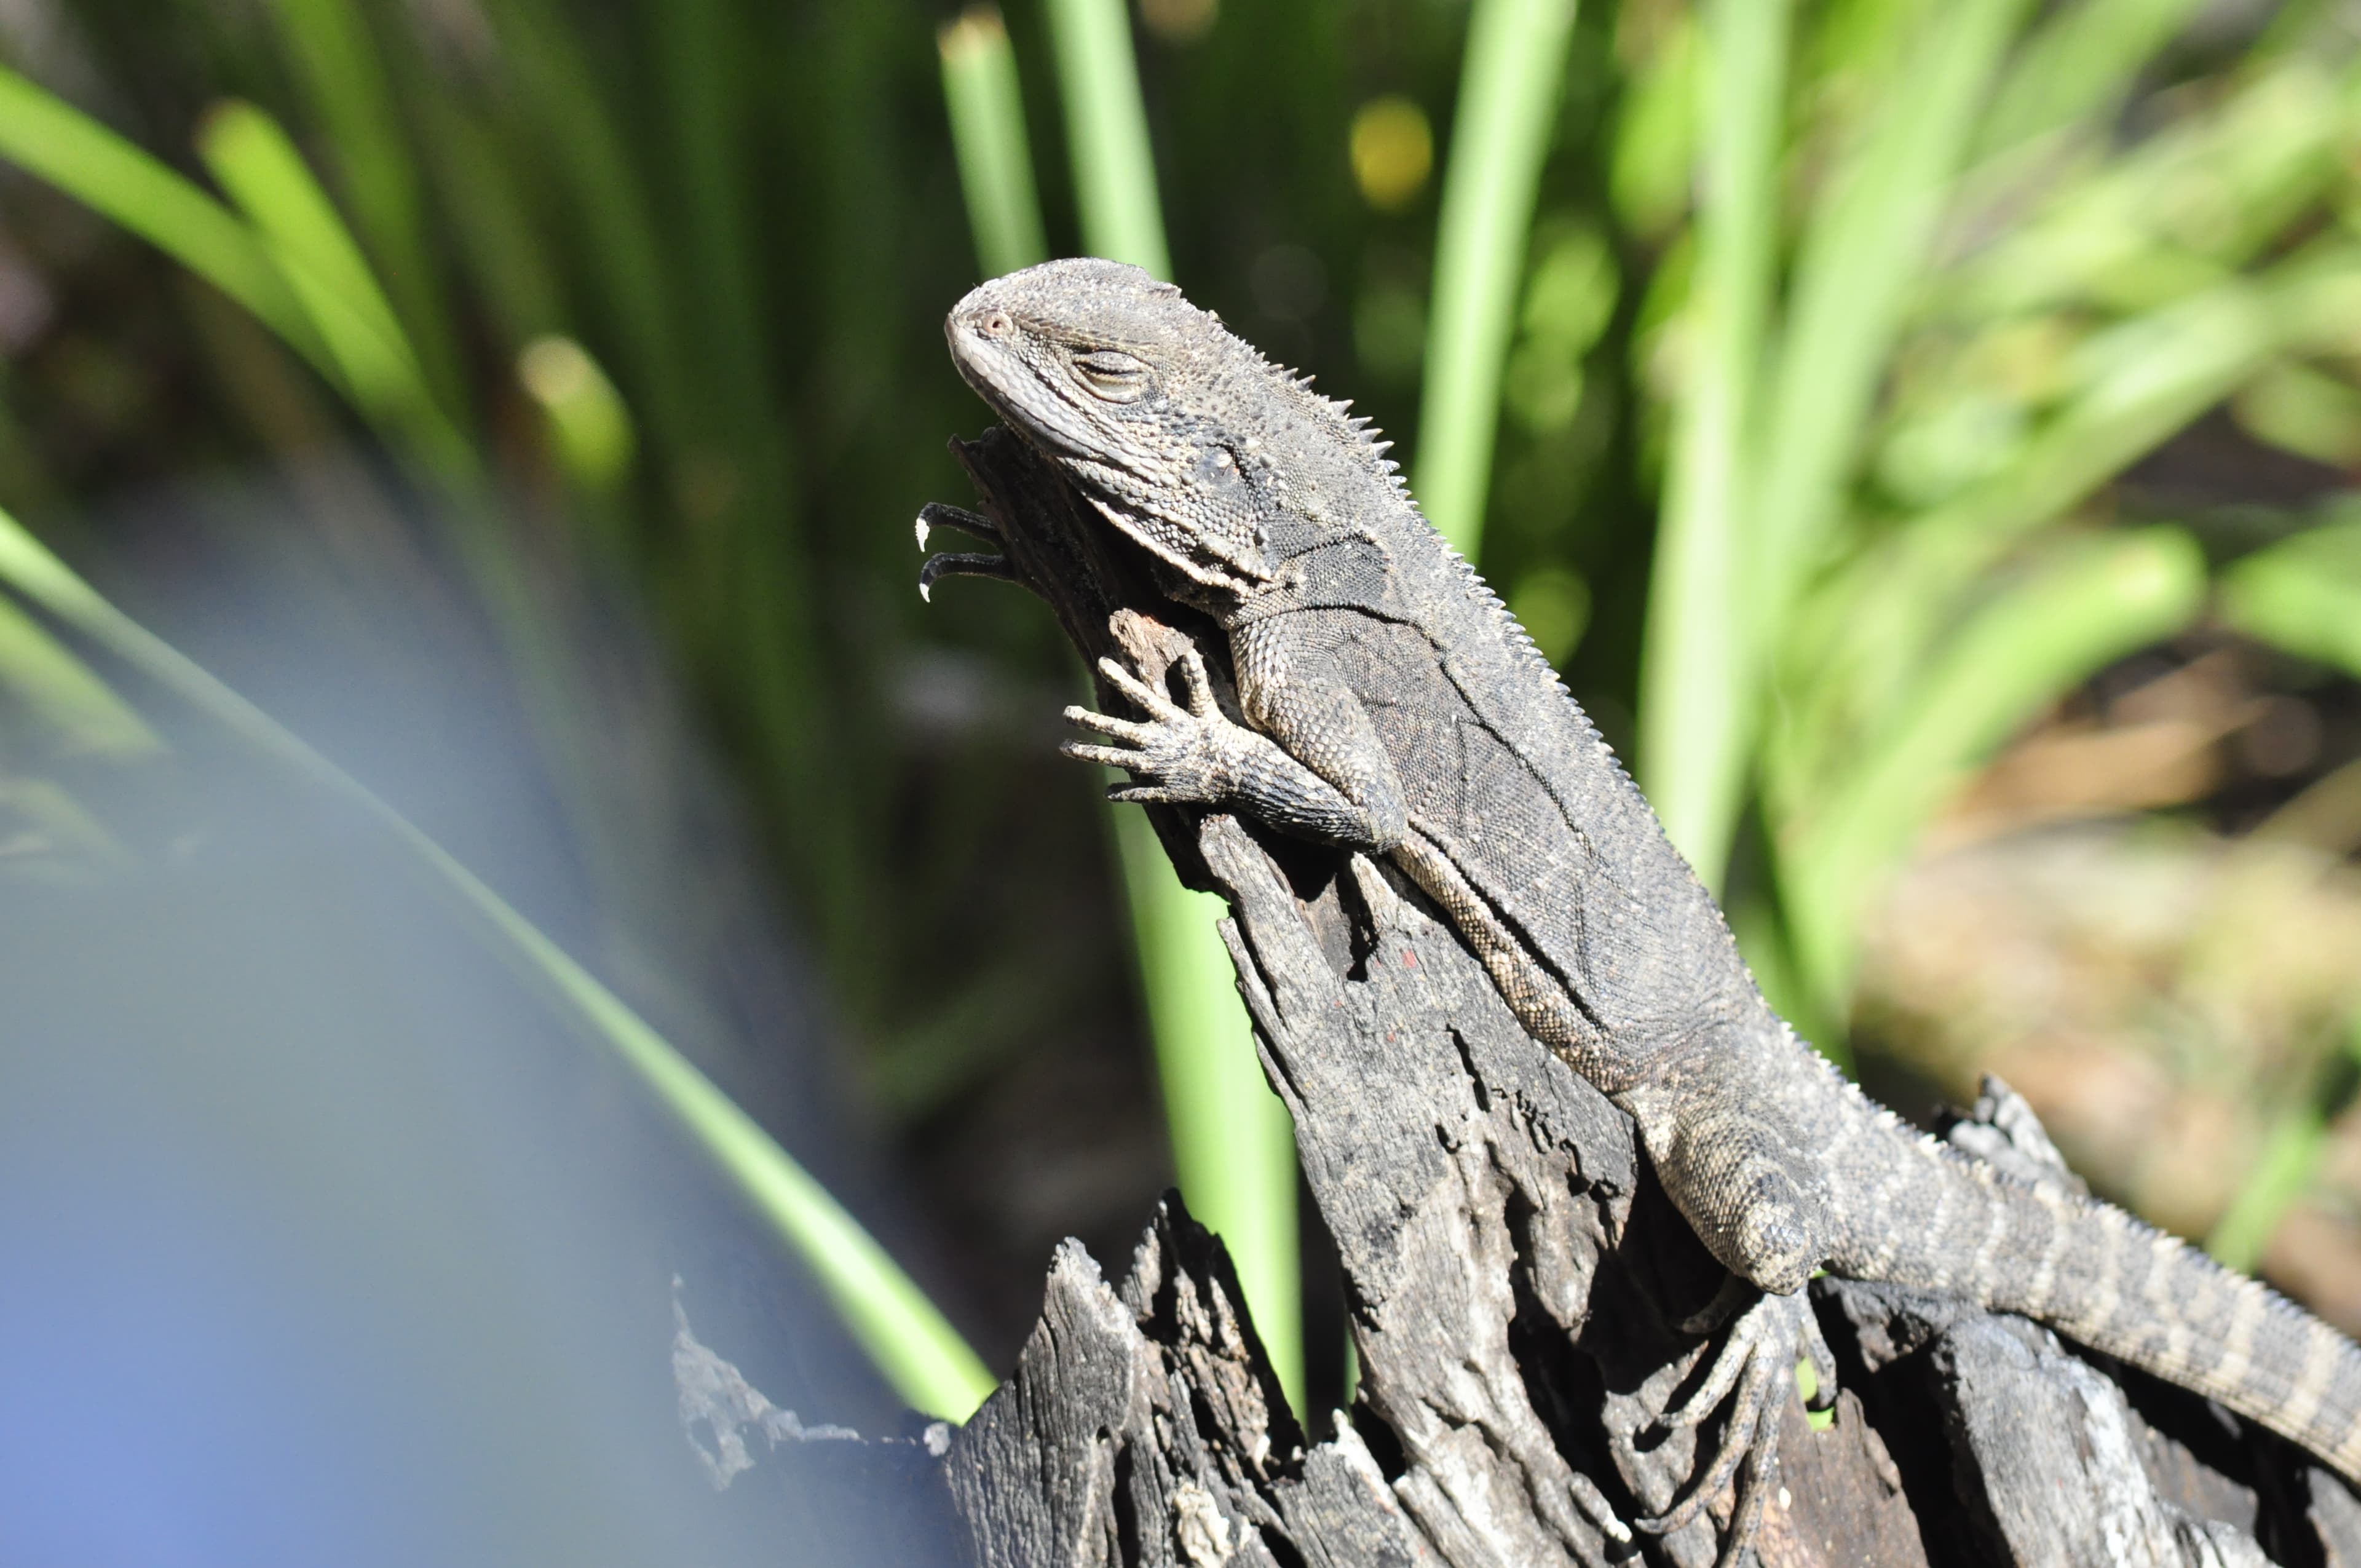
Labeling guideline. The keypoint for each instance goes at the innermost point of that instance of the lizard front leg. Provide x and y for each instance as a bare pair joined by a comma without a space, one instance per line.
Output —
1197,755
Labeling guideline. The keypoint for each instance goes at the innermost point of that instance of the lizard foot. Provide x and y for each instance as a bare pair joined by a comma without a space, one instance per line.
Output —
959,562
1178,755
1758,1360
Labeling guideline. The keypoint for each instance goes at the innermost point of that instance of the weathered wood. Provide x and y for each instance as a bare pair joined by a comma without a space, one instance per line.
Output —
1516,1281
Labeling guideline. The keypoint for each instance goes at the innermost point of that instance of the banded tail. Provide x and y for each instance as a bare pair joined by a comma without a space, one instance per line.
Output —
2099,1276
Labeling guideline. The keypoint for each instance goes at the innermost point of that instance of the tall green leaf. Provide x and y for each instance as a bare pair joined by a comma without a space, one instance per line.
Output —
1863,251
1233,1142
1508,92
1106,134
995,159
2302,593
1694,675
345,86
259,165
59,143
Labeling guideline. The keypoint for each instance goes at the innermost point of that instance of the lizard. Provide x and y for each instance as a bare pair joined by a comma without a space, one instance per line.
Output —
1389,704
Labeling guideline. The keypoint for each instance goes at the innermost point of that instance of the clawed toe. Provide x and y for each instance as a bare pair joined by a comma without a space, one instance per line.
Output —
1757,1359
960,562
1108,756
1598,1510
963,564
1108,725
976,525
1737,1355
1151,701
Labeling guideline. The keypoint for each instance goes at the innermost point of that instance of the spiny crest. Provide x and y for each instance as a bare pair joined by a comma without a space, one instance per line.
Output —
1358,429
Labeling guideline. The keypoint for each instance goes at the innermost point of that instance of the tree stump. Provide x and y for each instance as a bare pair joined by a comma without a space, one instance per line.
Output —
1514,1278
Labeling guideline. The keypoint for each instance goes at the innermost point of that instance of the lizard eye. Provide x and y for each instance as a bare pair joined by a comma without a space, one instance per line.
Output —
1118,377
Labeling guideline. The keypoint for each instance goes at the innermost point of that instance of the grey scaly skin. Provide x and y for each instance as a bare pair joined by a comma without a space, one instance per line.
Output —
1393,706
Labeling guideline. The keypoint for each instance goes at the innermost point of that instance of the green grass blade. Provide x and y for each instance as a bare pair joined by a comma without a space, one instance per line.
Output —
2151,225
1651,172
259,165
1508,92
488,223
913,1344
589,428
2290,1157
2079,60
1858,644
557,91
1106,133
63,698
2302,595
1861,253
59,143
995,161
1233,1142
2091,604
335,57
1695,672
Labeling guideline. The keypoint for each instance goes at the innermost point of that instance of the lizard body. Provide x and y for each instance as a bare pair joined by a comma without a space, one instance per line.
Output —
1392,706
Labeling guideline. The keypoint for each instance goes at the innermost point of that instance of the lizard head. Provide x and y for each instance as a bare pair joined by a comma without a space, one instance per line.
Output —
1135,394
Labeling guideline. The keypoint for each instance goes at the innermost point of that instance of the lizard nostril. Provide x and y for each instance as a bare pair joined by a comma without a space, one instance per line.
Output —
996,324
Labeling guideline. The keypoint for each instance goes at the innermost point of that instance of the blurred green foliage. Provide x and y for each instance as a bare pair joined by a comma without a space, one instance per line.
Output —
1823,333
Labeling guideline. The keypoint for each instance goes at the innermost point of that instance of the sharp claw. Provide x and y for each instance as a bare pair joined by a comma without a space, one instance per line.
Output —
961,564
976,525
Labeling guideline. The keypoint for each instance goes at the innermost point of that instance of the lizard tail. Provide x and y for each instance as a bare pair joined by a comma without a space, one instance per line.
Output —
2104,1278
